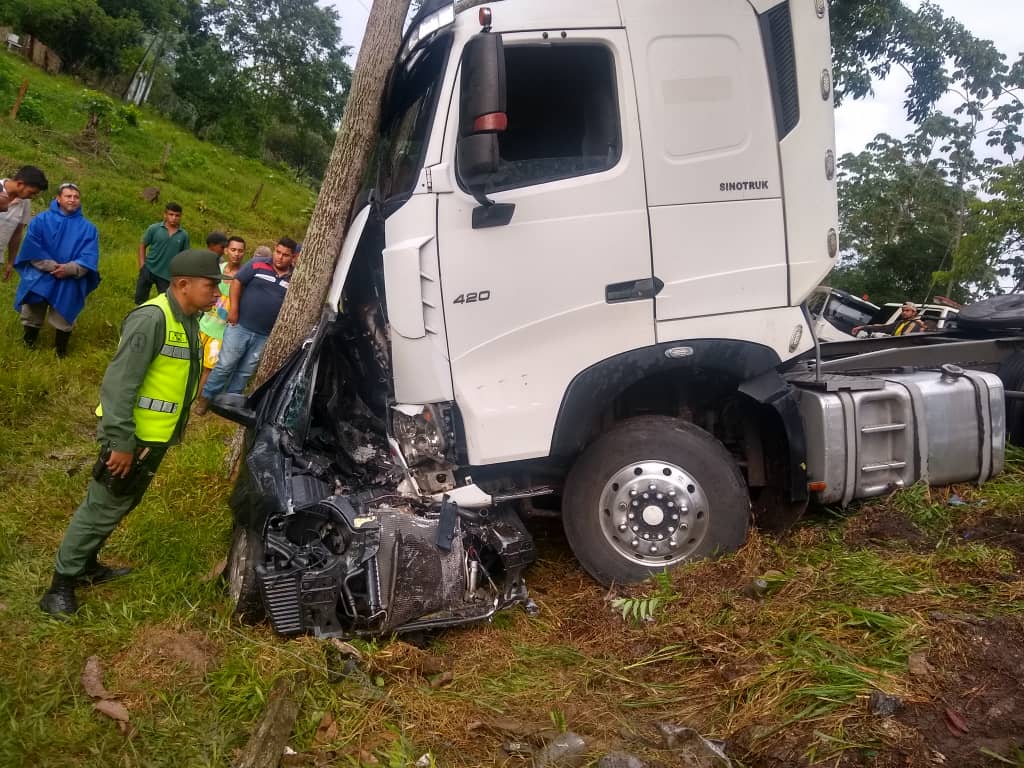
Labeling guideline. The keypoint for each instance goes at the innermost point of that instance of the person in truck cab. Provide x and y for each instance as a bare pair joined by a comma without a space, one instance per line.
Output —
907,322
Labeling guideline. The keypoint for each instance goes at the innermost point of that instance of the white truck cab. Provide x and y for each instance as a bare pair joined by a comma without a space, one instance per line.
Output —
641,154
835,313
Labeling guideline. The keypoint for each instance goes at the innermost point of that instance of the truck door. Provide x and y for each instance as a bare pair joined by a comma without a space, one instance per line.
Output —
567,281
711,157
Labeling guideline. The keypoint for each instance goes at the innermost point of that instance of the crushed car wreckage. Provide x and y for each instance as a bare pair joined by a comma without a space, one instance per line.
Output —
347,521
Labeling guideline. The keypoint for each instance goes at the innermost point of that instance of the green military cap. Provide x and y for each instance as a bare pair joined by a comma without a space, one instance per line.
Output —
197,262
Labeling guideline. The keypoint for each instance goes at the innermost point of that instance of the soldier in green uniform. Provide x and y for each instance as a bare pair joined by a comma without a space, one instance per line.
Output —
144,405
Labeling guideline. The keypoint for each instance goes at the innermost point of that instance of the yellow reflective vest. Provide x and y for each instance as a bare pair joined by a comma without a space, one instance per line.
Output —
914,325
163,394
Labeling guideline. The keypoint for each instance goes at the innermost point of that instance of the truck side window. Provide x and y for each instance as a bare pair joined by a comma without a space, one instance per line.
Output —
563,116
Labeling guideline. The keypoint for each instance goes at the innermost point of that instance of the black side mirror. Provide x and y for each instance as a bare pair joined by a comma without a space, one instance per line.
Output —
481,109
233,407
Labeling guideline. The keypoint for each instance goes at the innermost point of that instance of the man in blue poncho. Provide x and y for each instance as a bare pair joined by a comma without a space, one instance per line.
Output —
59,266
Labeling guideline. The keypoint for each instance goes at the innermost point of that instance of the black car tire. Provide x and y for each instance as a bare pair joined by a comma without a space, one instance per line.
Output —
663,442
240,573
1011,371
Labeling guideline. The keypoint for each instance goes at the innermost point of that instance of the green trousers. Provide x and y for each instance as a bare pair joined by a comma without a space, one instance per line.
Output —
107,502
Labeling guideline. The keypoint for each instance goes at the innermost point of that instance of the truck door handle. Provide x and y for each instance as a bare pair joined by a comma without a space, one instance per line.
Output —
633,290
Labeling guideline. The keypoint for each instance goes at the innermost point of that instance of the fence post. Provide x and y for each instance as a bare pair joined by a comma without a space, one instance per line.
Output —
17,101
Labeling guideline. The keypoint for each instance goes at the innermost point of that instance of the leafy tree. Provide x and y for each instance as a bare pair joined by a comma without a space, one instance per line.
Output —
250,71
214,97
154,15
998,238
941,58
870,37
901,217
82,33
290,53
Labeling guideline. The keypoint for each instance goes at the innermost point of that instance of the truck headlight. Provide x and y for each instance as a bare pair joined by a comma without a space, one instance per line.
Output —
420,433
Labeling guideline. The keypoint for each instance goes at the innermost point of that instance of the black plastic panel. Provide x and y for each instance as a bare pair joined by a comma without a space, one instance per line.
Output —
780,55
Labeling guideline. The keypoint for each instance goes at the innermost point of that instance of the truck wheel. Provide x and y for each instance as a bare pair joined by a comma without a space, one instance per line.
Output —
1011,371
649,494
246,552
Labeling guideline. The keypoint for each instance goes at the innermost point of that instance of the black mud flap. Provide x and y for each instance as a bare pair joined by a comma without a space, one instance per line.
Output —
777,509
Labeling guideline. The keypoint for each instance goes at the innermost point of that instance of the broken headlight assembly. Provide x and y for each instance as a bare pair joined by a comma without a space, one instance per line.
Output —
423,433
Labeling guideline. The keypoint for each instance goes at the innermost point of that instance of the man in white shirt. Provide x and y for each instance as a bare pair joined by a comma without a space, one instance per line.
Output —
16,210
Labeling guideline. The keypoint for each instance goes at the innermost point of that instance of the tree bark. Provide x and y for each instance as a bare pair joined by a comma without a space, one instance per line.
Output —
267,743
352,150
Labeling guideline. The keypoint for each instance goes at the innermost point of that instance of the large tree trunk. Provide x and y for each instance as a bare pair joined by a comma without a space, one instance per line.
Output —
352,150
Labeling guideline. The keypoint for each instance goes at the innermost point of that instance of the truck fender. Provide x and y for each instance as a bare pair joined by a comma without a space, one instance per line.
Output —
593,389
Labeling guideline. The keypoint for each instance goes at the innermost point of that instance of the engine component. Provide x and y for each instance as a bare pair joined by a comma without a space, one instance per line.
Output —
348,567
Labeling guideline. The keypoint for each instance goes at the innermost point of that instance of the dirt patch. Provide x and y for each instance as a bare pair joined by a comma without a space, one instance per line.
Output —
994,531
163,656
882,526
976,701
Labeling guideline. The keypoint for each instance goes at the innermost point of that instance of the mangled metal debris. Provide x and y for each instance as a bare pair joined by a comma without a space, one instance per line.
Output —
344,529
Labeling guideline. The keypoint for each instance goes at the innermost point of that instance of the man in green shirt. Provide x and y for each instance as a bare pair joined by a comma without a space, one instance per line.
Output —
144,405
160,243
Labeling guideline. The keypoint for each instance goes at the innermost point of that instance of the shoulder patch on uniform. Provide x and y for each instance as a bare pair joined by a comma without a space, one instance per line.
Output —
137,341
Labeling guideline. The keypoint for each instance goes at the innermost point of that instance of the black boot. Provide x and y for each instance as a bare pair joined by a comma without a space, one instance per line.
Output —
30,336
97,573
60,601
63,337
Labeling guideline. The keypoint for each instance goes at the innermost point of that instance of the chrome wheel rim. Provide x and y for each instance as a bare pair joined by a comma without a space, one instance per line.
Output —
654,513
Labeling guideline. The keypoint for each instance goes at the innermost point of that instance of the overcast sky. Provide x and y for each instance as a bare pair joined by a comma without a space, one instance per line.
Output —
1001,21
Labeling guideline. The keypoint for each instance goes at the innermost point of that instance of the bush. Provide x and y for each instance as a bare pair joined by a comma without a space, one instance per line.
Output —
107,115
31,110
130,114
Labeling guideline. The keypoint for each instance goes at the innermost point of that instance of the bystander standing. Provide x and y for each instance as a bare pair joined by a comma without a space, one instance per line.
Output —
161,242
58,266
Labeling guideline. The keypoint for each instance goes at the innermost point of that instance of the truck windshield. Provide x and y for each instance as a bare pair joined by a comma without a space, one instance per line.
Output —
408,115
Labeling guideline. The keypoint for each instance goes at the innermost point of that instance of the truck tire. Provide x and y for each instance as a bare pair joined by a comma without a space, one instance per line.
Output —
649,494
1011,371
246,551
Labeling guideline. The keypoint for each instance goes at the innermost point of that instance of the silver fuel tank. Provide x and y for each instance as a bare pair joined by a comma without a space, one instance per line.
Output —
869,435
